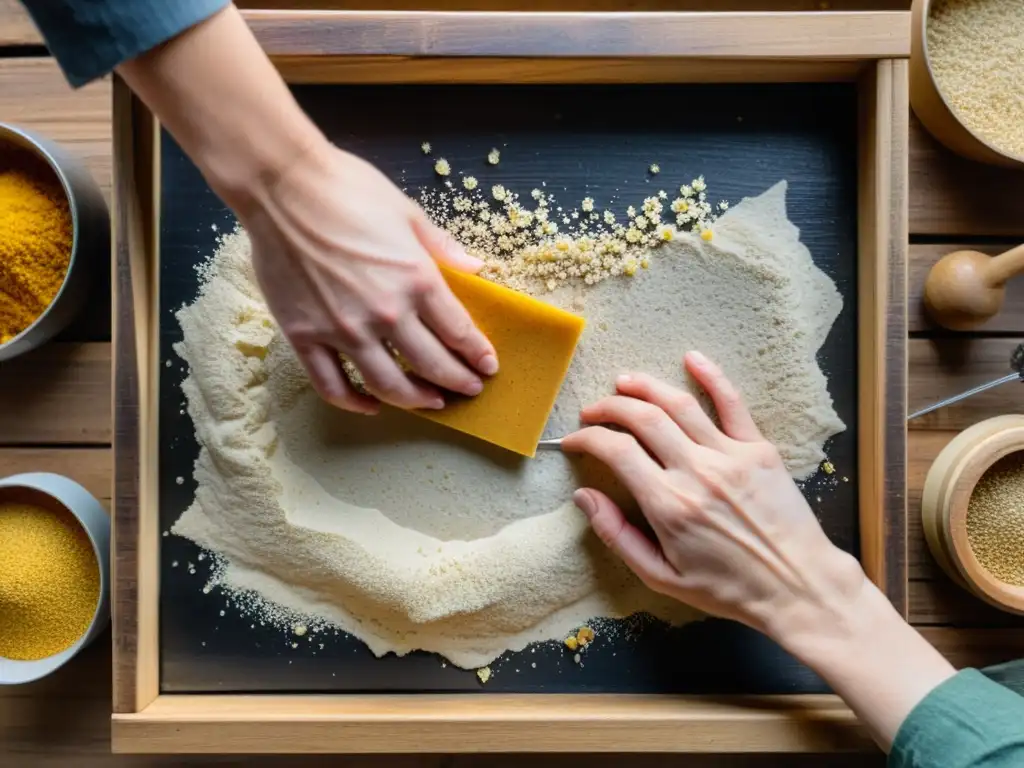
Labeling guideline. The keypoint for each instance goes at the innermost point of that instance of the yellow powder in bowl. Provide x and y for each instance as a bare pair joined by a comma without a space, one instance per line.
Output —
49,581
976,55
995,520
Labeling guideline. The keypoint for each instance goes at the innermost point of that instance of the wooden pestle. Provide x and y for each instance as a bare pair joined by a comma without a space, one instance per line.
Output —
965,289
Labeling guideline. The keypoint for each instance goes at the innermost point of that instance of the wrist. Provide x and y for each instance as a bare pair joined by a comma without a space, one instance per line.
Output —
246,170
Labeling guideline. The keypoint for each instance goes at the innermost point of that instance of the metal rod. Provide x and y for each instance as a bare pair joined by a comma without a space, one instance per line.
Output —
964,395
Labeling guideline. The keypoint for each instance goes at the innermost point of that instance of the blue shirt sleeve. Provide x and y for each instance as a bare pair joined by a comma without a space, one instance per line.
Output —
91,37
968,721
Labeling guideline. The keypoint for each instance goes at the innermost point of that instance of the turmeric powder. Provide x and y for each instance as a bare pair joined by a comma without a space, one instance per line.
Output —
36,235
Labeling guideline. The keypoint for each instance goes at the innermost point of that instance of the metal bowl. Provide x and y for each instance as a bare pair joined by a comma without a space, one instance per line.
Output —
51,491
90,247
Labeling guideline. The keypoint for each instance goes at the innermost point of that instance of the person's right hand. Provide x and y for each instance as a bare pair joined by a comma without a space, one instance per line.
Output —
347,264
735,538
734,535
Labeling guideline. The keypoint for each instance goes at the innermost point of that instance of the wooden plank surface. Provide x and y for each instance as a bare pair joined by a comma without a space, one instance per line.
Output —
855,35
16,27
90,467
62,396
34,95
954,197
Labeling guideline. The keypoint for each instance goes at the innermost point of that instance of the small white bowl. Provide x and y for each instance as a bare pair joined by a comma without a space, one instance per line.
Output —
50,491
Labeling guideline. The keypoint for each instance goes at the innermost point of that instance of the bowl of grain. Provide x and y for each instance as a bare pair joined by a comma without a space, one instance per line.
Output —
54,235
972,510
967,76
54,574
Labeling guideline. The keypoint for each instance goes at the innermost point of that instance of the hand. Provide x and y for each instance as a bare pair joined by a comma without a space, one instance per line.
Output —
345,260
347,263
734,536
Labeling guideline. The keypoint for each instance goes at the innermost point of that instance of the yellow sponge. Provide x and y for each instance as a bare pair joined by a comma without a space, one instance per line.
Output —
535,344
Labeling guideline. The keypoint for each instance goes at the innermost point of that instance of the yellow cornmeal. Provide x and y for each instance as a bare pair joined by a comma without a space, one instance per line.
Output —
49,582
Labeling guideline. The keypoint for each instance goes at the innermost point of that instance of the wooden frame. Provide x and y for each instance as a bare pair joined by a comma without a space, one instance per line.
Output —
869,48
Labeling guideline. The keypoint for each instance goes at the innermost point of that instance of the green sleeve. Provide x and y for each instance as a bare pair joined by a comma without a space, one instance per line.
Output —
968,721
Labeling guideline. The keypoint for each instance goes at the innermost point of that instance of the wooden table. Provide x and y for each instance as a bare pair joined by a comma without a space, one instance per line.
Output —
55,405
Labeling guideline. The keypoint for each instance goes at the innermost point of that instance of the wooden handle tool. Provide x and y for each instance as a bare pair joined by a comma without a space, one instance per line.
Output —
965,289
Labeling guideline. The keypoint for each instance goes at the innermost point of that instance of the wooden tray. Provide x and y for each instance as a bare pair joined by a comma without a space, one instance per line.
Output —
372,47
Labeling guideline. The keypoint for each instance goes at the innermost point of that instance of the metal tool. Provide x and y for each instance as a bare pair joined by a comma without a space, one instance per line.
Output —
1016,363
555,443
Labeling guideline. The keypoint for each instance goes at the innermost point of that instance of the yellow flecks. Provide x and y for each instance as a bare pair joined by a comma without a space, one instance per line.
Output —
484,673
442,167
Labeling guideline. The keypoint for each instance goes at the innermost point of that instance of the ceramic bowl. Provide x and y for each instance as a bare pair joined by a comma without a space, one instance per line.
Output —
57,492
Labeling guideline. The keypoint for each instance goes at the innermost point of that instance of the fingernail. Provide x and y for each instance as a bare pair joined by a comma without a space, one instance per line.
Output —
697,358
623,380
436,404
474,387
488,365
582,499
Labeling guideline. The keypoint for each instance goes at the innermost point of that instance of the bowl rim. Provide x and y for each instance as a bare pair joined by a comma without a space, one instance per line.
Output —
925,14
972,467
49,664
42,149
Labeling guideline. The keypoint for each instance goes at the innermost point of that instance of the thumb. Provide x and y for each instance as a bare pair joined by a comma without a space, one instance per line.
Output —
442,247
642,555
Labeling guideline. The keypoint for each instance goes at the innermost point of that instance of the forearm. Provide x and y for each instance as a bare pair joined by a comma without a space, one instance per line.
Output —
218,94
876,662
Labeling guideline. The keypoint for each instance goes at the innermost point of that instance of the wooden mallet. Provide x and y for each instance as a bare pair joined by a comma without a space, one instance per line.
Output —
966,288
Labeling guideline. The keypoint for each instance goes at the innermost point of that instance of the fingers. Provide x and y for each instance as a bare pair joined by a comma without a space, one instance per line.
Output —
651,425
732,412
442,247
634,468
431,360
390,383
623,538
681,406
443,314
329,381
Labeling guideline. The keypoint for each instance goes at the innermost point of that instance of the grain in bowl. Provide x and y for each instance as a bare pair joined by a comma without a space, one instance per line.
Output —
976,56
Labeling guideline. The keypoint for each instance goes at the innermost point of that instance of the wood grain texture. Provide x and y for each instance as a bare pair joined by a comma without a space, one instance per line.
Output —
34,95
433,70
135,562
497,723
882,335
90,467
58,394
923,257
758,36
955,197
16,27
